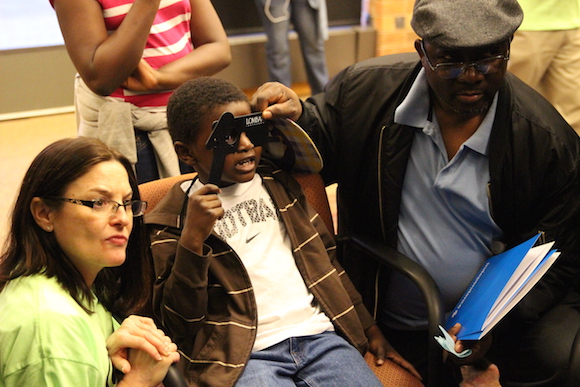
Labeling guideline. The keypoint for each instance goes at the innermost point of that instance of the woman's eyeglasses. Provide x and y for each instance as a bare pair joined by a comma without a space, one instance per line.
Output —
106,206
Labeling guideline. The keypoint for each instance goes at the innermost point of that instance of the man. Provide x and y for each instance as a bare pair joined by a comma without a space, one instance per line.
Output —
451,159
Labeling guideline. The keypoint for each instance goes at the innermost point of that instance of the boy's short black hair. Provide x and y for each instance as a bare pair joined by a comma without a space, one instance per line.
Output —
190,104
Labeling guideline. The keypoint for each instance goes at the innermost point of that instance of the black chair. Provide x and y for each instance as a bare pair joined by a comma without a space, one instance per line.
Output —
391,258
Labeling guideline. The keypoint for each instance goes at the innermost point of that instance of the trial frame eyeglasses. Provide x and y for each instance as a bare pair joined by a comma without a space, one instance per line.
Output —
452,70
101,206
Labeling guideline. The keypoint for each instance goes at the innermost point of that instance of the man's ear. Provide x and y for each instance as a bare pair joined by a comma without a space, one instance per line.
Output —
418,48
42,214
183,153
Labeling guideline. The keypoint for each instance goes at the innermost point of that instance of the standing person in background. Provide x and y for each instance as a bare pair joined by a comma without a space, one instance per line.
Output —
310,21
545,53
76,255
137,52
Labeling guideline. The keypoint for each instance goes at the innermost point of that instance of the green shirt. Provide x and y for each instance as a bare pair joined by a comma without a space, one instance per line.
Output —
550,15
47,339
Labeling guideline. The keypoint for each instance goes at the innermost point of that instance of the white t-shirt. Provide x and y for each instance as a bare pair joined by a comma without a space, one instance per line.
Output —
251,226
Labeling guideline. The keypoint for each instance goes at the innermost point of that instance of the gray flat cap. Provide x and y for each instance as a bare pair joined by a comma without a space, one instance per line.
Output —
466,23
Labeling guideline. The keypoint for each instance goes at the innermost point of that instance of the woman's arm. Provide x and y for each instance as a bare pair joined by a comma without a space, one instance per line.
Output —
211,54
104,61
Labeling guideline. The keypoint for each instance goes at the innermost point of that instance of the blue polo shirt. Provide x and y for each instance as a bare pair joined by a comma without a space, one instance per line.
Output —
445,222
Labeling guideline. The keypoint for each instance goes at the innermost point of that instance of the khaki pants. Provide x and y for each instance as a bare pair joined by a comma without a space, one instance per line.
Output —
549,61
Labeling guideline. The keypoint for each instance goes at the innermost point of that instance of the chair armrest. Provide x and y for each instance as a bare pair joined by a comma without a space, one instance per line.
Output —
390,257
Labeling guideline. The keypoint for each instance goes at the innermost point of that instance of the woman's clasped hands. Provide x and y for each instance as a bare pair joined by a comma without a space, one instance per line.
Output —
141,351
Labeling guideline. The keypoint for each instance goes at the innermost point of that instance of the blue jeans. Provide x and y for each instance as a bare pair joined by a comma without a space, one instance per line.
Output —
325,360
304,19
146,167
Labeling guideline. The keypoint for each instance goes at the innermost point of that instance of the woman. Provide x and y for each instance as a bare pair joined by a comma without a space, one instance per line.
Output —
75,256
130,55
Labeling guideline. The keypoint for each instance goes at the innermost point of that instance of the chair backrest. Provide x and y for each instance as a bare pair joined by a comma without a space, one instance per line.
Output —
153,191
313,187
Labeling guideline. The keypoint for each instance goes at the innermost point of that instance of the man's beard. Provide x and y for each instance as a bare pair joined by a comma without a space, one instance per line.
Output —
475,111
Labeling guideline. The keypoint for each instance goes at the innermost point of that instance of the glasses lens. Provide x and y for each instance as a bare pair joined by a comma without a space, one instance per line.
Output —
490,65
484,66
449,71
101,205
138,207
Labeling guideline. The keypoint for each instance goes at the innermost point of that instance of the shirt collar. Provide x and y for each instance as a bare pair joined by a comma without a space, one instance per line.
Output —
414,110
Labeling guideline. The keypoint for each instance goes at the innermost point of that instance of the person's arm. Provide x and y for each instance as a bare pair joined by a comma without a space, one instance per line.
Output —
320,116
104,61
182,264
211,54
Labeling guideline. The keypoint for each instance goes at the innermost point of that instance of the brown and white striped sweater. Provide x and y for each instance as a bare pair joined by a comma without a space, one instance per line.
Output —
206,303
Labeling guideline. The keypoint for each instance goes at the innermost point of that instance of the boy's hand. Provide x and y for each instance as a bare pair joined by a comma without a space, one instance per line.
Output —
380,347
203,209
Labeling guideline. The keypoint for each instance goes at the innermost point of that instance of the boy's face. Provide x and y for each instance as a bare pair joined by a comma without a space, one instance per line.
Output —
240,166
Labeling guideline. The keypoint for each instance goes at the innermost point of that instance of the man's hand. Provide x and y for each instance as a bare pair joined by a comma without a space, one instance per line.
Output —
275,100
380,347
478,347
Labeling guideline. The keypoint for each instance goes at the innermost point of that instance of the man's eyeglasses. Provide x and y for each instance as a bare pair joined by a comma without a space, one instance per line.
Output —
452,70
106,206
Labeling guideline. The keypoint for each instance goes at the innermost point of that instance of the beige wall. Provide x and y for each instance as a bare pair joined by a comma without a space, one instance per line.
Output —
40,81
33,79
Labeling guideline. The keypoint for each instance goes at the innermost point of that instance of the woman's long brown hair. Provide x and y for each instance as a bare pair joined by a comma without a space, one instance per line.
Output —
31,250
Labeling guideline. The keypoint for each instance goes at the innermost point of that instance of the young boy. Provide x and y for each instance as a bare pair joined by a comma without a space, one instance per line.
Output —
247,281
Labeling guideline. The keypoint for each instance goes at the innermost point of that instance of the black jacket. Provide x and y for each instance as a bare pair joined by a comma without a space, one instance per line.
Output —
534,167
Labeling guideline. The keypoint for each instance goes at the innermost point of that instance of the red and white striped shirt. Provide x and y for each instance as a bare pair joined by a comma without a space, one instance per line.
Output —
169,39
